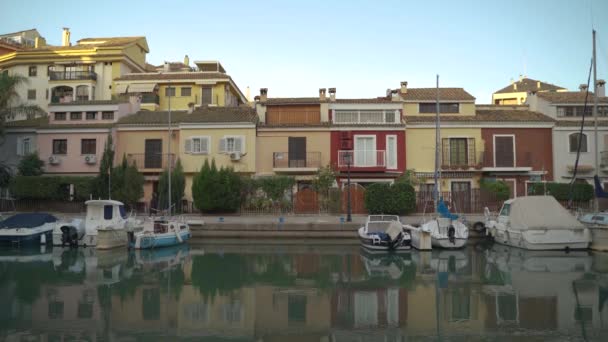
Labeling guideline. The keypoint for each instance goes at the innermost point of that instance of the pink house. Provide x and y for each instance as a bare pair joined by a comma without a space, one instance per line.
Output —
73,141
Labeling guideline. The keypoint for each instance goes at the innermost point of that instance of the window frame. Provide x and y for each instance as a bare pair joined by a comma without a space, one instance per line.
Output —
56,147
170,90
104,113
226,137
87,143
75,116
181,91
200,139
29,94
63,116
443,107
94,115
586,143
32,71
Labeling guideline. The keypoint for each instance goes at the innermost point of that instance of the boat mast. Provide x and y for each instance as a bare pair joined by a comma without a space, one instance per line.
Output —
437,144
169,157
595,99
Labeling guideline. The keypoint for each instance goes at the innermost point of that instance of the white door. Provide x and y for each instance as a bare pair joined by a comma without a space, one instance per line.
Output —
365,151
391,152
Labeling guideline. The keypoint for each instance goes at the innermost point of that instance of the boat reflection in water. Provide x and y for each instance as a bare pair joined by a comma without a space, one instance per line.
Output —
301,293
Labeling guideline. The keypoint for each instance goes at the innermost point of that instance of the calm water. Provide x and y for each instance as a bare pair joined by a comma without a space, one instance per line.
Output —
217,292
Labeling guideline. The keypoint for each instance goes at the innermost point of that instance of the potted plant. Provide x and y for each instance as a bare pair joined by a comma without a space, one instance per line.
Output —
445,167
454,167
478,166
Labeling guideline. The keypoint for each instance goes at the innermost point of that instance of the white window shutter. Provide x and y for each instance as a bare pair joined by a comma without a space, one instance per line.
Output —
205,145
222,146
188,146
19,146
238,144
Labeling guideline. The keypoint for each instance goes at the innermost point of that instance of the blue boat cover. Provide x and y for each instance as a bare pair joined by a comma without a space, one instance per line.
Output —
599,191
29,220
443,210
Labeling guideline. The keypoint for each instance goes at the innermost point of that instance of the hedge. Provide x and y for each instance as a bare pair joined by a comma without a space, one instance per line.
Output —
395,199
561,191
51,188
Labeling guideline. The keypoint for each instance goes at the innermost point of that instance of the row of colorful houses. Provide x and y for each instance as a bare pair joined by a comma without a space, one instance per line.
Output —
530,133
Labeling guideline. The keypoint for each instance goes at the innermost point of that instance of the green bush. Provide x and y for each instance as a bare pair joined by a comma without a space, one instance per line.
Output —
395,199
216,190
561,191
51,188
127,183
30,165
275,187
497,187
178,186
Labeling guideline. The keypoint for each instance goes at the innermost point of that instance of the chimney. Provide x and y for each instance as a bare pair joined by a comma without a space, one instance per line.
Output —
322,94
167,67
190,107
187,60
388,92
514,85
601,88
256,98
39,42
537,84
404,87
65,37
332,94
263,94
248,94
582,87
521,77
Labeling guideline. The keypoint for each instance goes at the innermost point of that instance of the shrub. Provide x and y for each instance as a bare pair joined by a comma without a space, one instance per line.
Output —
561,191
216,190
498,188
51,188
395,199
30,165
178,186
127,183
275,187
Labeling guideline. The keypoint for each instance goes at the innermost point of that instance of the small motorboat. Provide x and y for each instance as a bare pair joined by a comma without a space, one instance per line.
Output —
160,232
27,228
598,227
384,233
537,223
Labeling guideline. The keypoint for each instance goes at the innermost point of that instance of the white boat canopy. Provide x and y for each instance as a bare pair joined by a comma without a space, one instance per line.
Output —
539,212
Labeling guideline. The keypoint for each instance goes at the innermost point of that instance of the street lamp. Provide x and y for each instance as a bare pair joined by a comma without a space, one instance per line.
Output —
348,159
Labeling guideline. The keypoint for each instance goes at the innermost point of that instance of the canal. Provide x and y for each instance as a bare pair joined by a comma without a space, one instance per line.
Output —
248,292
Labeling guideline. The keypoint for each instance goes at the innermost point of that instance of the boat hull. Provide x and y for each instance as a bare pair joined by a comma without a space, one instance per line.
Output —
32,238
148,241
599,237
421,240
370,245
445,243
538,240
89,240
111,238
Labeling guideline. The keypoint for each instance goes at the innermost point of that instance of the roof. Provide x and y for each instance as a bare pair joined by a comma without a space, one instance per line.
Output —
201,115
91,102
486,115
273,101
577,123
31,123
189,75
75,126
528,84
18,32
430,94
368,100
570,97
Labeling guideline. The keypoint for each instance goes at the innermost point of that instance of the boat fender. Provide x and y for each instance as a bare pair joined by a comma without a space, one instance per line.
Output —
177,234
452,234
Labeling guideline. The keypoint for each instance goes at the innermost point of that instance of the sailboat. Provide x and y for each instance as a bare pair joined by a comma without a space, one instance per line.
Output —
445,229
162,231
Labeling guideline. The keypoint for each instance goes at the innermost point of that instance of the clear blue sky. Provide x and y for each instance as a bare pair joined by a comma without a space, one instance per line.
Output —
360,47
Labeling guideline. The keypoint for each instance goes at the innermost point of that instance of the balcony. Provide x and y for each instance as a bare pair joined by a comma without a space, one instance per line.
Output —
362,158
283,162
150,99
151,162
72,75
506,163
293,117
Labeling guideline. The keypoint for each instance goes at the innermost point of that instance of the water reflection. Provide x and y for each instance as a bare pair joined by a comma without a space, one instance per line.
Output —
301,293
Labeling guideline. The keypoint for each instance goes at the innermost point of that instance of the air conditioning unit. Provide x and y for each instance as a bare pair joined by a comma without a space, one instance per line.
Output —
54,160
235,156
90,159
346,144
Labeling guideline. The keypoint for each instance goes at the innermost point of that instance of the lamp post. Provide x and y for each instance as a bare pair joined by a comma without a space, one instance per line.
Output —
348,158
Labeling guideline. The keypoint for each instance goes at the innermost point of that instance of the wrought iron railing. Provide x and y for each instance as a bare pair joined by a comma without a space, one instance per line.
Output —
361,158
285,160
72,75
151,161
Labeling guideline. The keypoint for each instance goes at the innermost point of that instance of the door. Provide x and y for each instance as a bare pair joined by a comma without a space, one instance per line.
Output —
365,151
297,152
461,196
391,152
153,156
504,155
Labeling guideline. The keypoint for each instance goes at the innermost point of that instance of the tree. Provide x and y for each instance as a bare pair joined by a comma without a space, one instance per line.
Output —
31,165
216,190
101,187
178,185
408,177
395,199
127,183
498,188
10,101
324,180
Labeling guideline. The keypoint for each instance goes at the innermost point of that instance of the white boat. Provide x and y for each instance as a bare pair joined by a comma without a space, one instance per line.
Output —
598,226
383,233
421,237
447,233
160,233
104,227
537,223
27,228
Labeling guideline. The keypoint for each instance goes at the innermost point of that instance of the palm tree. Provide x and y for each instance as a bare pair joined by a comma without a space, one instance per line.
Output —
10,101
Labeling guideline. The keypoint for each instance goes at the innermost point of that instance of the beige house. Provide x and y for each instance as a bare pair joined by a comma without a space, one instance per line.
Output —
517,92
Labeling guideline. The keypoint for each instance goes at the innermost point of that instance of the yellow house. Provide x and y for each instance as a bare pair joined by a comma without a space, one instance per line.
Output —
223,134
517,92
73,72
207,85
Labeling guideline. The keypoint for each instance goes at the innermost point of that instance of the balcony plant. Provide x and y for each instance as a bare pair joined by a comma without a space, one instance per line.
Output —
478,166
453,167
445,166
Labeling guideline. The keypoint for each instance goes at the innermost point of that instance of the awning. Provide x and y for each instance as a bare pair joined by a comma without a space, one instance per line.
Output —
121,88
141,87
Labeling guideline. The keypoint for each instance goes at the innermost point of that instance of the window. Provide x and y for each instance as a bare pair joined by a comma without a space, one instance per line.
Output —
60,116
170,91
82,93
31,94
506,209
443,108
574,141
389,116
107,212
186,91
391,151
24,146
569,111
197,145
365,151
296,308
88,146
458,151
33,71
231,144
107,115
207,96
76,116
344,116
365,116
91,115
122,211
60,146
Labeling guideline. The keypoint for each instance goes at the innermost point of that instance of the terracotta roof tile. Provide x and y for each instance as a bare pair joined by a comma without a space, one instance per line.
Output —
577,123
202,115
569,97
430,94
91,103
173,76
273,101
528,84
367,100
486,115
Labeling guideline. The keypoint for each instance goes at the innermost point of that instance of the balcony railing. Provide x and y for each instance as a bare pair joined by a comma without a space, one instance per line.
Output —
293,117
72,75
604,159
283,160
151,161
461,159
361,158
150,98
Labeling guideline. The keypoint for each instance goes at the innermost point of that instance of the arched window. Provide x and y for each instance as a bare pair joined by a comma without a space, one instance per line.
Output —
574,139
